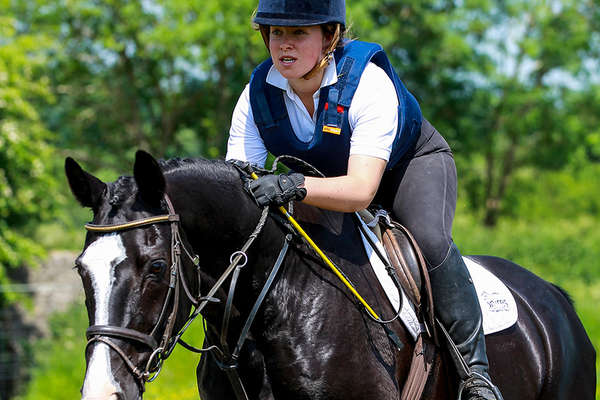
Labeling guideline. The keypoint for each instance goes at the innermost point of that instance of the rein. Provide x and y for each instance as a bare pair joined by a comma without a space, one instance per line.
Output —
160,351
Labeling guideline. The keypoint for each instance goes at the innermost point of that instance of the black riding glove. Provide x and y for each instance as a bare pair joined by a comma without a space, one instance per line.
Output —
277,189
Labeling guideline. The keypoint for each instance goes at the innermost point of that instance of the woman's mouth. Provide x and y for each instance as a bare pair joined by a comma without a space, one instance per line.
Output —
286,60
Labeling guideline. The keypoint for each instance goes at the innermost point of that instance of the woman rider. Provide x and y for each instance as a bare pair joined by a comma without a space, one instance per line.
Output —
340,106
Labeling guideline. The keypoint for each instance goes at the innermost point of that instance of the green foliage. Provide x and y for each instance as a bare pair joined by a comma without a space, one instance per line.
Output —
496,78
568,193
159,75
560,250
60,359
27,166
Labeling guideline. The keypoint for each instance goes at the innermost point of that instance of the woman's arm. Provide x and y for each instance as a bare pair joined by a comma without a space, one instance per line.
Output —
348,193
373,117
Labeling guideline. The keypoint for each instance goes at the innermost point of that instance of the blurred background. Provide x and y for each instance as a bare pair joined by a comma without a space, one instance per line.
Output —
513,85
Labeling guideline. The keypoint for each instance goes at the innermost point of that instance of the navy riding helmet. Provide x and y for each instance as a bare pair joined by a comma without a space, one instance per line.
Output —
300,12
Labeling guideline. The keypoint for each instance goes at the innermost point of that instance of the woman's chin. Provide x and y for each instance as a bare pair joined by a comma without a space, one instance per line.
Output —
290,73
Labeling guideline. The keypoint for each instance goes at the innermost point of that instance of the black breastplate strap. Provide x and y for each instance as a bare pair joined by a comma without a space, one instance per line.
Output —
228,361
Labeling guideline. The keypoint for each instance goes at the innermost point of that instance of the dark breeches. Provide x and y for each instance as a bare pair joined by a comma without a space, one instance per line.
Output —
421,193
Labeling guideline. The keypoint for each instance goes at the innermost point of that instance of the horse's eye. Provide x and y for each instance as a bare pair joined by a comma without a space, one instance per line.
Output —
158,266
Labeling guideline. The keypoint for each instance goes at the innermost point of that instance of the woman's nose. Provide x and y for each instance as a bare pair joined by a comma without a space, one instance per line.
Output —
285,44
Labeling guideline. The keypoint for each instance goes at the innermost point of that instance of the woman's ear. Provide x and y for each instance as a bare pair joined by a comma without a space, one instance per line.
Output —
331,37
327,39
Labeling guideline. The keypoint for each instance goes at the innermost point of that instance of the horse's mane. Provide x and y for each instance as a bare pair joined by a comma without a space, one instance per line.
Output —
122,188
210,168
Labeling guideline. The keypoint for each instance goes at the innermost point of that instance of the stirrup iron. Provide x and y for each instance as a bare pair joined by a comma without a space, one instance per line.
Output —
487,383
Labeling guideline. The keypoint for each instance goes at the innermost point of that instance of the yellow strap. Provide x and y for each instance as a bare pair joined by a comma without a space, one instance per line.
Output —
335,270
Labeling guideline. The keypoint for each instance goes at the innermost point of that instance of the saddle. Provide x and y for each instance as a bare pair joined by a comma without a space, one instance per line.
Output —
408,262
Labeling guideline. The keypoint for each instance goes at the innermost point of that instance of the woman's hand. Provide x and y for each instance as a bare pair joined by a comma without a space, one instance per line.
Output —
277,189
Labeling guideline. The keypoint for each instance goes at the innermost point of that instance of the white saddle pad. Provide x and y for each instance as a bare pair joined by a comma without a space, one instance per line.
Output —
497,303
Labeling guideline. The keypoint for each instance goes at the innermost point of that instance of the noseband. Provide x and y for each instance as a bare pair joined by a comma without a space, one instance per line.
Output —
159,350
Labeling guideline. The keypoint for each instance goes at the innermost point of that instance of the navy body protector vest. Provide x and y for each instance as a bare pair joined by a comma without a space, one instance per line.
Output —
329,149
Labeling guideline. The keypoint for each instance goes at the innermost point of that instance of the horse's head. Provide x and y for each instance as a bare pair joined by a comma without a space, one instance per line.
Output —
127,273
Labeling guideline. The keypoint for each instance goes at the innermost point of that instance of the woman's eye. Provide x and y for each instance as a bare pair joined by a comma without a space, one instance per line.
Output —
299,32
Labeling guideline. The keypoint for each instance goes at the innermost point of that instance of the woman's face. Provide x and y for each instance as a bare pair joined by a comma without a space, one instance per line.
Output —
295,50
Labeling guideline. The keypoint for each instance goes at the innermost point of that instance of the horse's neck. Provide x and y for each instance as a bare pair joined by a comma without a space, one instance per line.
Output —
213,209
218,218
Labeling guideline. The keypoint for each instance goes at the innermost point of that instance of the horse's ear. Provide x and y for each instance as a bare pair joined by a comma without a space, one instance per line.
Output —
86,188
149,178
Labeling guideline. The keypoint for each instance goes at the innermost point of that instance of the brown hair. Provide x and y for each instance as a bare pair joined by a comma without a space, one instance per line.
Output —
333,29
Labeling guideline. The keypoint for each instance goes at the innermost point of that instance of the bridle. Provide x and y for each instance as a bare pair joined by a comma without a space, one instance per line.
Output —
160,351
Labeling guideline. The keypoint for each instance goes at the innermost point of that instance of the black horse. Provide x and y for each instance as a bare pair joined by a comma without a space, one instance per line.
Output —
310,338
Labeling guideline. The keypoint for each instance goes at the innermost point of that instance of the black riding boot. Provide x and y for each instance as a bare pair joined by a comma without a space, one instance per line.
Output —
457,308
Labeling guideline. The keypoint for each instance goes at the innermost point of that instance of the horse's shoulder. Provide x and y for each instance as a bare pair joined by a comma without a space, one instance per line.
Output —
318,219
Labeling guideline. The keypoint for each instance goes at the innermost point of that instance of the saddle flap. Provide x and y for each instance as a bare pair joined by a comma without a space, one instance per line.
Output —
402,257
407,259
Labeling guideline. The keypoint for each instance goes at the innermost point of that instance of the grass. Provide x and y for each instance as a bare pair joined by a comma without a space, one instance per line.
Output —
60,363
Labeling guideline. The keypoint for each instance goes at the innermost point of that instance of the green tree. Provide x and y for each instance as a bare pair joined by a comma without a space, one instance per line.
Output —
160,75
495,77
27,163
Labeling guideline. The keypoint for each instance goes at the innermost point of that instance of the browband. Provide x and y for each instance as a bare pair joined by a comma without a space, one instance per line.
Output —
133,224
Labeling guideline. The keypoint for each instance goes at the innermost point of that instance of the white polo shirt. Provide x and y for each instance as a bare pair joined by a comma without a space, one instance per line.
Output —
373,116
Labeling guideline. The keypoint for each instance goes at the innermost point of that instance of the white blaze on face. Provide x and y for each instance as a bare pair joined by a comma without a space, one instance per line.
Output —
99,260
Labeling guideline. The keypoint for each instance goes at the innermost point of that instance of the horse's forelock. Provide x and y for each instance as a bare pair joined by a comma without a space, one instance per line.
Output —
121,190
